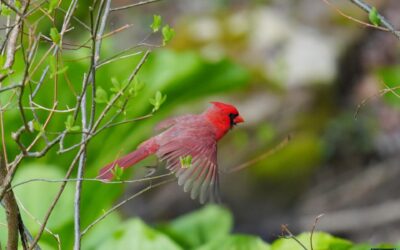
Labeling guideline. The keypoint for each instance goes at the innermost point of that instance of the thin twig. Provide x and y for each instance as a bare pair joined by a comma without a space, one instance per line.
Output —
288,235
313,229
123,202
18,85
379,94
134,5
367,8
262,156
90,179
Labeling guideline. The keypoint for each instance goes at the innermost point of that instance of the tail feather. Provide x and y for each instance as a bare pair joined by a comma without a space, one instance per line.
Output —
144,150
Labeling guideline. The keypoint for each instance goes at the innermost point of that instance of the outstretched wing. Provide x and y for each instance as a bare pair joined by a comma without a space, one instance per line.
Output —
201,177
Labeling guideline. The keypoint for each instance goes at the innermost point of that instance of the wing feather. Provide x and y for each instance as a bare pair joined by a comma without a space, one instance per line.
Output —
201,178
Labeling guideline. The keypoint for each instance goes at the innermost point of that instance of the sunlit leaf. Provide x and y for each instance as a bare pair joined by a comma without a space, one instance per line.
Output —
238,242
168,33
55,35
200,227
134,234
374,17
320,241
101,95
186,161
5,11
52,5
155,26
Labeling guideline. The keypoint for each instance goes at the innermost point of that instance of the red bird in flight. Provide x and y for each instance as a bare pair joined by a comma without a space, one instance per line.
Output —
188,135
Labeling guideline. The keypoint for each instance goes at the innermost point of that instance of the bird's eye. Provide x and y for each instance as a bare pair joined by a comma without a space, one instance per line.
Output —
232,117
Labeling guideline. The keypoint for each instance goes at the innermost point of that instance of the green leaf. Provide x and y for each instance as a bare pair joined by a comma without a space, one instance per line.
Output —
136,87
52,5
69,124
168,33
5,11
155,26
390,76
118,172
18,4
101,95
37,126
28,195
117,86
55,35
157,101
208,224
320,241
2,60
134,234
374,17
186,161
237,242
75,128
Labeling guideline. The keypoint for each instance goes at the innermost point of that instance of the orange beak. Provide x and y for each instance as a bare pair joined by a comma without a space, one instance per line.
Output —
238,119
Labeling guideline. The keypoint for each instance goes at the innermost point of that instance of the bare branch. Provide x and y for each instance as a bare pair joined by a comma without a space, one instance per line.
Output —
134,5
90,179
288,235
14,86
313,229
367,8
12,211
262,156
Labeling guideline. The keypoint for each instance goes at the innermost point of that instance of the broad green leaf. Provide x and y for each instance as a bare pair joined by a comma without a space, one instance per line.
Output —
200,227
55,35
374,17
321,241
168,33
38,196
101,231
155,26
134,234
237,242
101,95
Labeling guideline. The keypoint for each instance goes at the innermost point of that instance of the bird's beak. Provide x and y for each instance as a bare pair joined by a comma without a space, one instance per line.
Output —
238,119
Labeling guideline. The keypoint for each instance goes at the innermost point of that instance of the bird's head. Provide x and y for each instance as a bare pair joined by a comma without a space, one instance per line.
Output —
223,116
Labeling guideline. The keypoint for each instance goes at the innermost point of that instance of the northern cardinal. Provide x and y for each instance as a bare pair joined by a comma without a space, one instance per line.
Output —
194,136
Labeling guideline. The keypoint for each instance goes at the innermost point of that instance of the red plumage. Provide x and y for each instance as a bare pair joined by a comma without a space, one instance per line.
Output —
194,135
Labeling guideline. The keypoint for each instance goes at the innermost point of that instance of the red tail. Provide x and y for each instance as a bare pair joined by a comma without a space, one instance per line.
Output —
144,150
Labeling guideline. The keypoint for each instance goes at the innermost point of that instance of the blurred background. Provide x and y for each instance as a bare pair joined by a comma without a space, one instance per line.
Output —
292,68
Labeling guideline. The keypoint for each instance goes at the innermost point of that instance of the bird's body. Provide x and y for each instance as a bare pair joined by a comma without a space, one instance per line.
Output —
189,135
